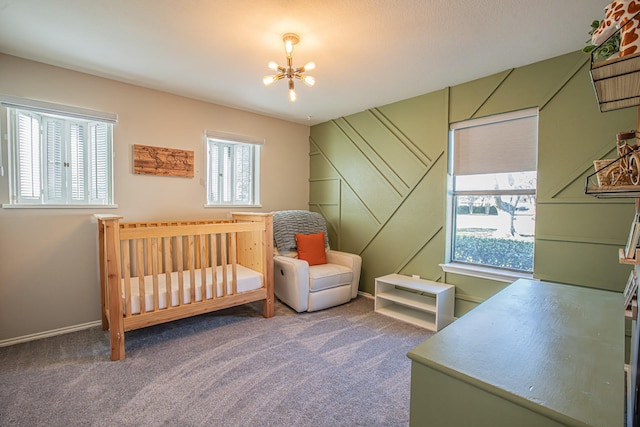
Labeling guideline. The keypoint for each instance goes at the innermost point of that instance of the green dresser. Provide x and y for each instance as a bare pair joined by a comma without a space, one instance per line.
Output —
535,354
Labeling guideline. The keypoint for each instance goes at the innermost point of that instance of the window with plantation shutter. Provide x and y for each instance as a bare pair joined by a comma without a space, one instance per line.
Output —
233,164
58,156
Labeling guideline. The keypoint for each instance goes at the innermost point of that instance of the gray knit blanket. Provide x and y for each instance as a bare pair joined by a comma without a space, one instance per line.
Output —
286,224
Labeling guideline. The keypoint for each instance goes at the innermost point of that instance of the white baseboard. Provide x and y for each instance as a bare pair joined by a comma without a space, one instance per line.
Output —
48,334
365,294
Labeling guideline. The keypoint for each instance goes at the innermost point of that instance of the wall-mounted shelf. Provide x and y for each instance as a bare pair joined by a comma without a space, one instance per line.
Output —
613,191
614,178
617,82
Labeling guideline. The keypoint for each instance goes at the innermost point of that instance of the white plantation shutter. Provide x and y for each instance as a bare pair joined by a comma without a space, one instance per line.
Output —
100,165
226,174
77,162
243,174
54,164
59,156
214,173
28,156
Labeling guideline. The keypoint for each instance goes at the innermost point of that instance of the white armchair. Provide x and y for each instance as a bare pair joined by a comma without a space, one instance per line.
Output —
316,287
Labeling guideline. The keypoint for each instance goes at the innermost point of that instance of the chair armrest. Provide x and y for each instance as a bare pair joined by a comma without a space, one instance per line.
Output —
291,281
351,261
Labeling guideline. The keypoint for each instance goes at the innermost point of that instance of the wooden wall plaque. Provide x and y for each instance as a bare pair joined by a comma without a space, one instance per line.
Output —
148,160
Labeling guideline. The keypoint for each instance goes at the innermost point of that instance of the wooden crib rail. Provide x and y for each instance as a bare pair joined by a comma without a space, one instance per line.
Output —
136,256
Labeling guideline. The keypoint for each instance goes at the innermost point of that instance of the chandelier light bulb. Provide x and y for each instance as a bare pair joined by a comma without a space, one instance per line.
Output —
273,66
288,47
310,66
308,80
267,80
292,92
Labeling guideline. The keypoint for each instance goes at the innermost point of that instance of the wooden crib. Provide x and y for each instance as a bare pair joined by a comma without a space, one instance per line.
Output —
156,272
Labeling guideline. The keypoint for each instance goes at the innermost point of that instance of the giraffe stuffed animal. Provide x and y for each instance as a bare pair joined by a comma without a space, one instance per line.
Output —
617,16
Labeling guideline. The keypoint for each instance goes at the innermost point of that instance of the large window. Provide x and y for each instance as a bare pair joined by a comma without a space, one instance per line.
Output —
493,191
233,170
58,155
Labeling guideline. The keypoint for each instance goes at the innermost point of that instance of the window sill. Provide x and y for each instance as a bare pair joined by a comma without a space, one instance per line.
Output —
234,206
28,206
485,272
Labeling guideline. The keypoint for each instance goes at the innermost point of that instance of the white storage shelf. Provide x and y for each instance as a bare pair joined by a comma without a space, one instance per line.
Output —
417,301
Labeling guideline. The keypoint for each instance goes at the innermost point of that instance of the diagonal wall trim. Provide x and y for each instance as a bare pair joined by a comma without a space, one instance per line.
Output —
491,94
576,174
584,201
583,239
375,160
563,83
362,202
400,136
419,248
382,225
330,225
330,178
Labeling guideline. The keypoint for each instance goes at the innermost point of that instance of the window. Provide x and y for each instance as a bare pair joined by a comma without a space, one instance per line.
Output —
58,155
493,191
233,169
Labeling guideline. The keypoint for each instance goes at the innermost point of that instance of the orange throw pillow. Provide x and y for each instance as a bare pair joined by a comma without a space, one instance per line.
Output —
311,248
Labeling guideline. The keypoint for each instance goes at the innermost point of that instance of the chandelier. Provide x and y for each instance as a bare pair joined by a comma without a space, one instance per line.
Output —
289,72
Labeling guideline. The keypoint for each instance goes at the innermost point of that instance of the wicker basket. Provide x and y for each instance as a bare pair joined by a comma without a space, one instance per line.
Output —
602,170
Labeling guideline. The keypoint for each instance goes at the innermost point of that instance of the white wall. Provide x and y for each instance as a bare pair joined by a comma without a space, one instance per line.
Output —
48,257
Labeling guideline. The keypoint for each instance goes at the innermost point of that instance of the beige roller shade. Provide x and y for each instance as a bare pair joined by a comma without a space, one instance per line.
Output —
496,144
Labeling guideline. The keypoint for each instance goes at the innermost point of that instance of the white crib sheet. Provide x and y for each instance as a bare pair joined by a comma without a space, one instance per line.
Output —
248,280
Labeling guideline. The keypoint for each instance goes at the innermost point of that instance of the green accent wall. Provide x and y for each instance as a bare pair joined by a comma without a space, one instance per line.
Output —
380,179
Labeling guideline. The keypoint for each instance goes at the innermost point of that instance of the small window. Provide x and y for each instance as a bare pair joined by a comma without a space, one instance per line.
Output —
233,170
493,191
58,156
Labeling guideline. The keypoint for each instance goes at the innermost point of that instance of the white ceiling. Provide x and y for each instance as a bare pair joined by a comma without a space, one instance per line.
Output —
368,52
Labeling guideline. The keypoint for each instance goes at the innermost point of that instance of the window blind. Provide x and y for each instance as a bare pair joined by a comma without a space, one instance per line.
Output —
498,144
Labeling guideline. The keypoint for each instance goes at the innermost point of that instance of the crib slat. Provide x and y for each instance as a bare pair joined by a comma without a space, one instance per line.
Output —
159,255
154,272
140,270
206,262
213,255
167,268
126,271
234,266
223,262
179,266
203,266
198,255
148,256
191,258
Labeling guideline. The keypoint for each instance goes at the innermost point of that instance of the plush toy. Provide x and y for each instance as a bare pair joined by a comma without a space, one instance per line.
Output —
617,16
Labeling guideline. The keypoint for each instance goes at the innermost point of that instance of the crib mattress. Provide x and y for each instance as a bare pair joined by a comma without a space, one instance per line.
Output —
248,280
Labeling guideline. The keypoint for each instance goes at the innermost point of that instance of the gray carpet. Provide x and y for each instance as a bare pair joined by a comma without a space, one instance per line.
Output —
345,366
